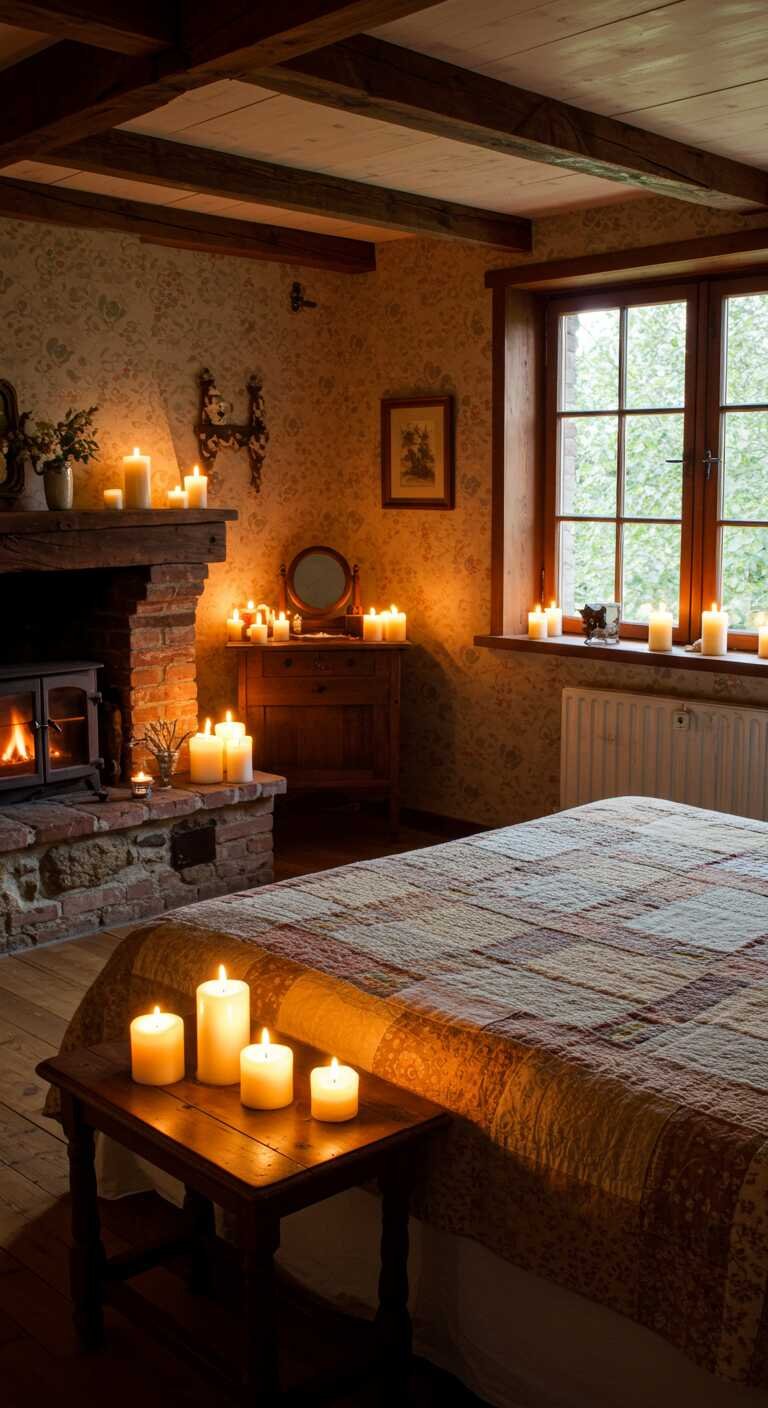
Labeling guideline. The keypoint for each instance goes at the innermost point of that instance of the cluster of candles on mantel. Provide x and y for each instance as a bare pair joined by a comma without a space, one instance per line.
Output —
137,487
226,1055
258,623
714,629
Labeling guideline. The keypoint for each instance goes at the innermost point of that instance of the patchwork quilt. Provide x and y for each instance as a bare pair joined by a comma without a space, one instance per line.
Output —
588,993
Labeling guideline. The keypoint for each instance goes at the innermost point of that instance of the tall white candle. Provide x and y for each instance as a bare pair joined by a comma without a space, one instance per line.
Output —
394,625
334,1092
223,1028
537,624
229,727
266,1075
281,628
157,1048
206,756
234,626
373,626
238,758
196,485
714,631
554,617
137,471
113,499
660,629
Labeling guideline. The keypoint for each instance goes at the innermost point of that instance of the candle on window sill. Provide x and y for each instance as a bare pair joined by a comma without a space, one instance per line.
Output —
714,631
206,756
178,498
141,784
234,626
373,626
660,629
113,499
334,1092
266,1075
229,727
257,633
223,1028
238,758
157,1048
762,642
554,617
537,624
281,628
196,485
137,471
394,625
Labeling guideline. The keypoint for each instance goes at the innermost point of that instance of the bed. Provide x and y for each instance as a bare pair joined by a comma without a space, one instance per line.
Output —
588,993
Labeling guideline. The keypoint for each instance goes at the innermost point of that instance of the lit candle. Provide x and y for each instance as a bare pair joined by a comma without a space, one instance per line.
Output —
373,626
554,617
281,628
257,633
223,1028
660,629
206,756
714,631
141,784
266,1075
234,626
196,485
137,471
762,642
157,1048
178,498
229,727
238,758
113,499
394,624
334,1092
248,615
537,624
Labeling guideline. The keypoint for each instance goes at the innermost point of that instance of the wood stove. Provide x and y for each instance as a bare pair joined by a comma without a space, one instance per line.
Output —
49,729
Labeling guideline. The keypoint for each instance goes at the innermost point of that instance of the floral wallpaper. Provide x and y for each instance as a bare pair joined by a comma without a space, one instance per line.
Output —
104,318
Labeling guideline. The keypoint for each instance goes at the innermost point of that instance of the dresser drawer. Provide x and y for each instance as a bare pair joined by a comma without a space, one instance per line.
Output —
340,664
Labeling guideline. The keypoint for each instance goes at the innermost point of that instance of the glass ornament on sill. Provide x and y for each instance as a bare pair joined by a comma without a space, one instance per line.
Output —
161,741
601,622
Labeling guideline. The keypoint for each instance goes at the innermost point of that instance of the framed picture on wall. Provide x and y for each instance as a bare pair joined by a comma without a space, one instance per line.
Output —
417,461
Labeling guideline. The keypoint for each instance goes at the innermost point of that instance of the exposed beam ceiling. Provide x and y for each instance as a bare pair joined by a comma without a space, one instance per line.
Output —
125,26
187,168
396,85
70,91
184,229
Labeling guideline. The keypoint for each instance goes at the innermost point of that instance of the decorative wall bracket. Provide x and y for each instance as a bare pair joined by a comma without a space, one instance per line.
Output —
215,431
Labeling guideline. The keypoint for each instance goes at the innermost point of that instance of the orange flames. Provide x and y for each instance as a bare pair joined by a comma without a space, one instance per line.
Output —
20,748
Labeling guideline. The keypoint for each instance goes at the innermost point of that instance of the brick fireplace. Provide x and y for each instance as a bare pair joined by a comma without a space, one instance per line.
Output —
109,599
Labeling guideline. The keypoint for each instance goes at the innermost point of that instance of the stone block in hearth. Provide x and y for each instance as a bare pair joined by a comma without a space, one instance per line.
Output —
76,867
13,836
49,821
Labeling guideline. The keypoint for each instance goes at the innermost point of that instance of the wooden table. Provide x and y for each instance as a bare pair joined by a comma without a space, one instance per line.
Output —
257,1165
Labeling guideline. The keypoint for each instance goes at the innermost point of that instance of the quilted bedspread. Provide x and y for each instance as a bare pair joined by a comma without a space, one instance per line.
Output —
588,993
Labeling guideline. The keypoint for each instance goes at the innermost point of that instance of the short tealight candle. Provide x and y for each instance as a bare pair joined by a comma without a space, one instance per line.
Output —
334,1092
178,498
266,1075
141,784
113,499
157,1048
223,1028
537,624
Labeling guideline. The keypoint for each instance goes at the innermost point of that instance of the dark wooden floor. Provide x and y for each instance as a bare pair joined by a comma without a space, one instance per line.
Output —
39,992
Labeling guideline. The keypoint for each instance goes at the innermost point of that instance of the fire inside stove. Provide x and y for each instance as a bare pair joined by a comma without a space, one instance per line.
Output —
20,748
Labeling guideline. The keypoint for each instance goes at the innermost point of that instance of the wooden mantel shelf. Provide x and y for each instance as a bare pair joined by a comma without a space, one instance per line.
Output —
53,542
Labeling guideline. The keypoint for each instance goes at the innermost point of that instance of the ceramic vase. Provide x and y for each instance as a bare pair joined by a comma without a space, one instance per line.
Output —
58,484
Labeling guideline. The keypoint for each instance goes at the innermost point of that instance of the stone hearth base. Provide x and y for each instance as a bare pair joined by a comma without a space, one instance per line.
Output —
73,867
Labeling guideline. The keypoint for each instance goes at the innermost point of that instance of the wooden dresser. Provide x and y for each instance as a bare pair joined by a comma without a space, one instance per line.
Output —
325,714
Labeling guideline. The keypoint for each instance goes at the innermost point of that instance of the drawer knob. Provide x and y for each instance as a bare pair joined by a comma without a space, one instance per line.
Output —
320,688
287,663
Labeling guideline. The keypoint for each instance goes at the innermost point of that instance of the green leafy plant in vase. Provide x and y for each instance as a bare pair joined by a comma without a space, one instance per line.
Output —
52,446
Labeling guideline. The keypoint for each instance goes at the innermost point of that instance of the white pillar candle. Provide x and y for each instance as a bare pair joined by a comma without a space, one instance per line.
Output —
137,471
537,624
238,758
229,727
266,1075
223,1028
334,1091
660,629
714,631
257,633
762,642
554,617
196,485
157,1048
281,628
394,625
178,498
206,756
113,499
373,626
234,626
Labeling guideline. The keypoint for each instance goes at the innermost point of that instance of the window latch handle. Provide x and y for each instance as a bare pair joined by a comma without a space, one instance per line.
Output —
708,461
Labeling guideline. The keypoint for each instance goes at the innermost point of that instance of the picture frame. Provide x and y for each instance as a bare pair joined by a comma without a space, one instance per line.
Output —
417,452
12,464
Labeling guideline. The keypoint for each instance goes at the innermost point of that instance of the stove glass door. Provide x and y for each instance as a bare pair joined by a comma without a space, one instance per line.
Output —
68,741
20,763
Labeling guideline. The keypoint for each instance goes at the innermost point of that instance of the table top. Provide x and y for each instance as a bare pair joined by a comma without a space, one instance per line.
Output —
264,1155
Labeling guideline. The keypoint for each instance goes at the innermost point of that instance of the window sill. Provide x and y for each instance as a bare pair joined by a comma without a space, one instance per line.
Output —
736,662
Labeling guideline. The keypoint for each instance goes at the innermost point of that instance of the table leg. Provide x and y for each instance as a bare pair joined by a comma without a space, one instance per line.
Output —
259,1238
87,1258
392,1316
201,1218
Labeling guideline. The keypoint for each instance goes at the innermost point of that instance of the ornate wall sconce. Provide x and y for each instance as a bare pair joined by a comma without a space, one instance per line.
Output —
215,430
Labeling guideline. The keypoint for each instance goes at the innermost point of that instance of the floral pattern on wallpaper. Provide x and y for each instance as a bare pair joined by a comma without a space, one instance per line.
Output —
103,318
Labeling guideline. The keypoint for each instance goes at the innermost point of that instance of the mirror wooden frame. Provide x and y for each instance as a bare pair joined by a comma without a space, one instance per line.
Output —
346,605
13,483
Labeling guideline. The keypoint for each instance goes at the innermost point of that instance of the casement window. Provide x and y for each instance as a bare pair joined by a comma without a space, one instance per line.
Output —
656,453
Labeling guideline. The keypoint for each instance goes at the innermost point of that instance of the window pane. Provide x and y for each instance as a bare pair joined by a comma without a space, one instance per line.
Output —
653,488
586,570
656,355
590,360
588,465
744,580
745,464
746,322
651,568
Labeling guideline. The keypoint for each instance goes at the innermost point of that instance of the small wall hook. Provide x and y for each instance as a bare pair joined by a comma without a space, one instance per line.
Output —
298,298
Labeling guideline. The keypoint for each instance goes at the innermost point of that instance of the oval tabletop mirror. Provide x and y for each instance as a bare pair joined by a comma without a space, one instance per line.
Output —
319,582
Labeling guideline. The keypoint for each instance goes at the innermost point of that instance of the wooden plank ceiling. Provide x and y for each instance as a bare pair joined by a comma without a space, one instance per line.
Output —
428,123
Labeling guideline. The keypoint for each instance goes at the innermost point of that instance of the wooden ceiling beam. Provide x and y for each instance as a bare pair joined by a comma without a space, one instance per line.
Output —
72,90
392,84
124,26
184,229
169,163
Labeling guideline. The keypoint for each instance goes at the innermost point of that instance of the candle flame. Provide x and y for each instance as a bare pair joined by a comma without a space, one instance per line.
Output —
228,716
265,1036
334,1070
282,616
207,728
141,776
136,450
553,605
393,610
250,606
222,974
372,611
538,607
236,614
714,606
196,471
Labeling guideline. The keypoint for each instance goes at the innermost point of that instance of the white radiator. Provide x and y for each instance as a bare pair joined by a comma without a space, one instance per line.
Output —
686,750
